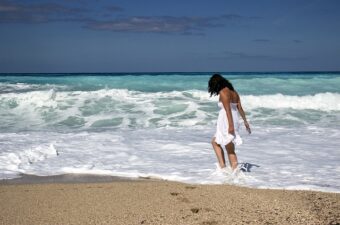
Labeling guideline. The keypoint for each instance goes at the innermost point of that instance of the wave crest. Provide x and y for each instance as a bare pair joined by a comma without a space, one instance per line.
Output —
322,101
125,108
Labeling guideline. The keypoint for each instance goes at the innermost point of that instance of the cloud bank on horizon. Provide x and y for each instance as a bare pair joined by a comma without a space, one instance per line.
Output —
135,36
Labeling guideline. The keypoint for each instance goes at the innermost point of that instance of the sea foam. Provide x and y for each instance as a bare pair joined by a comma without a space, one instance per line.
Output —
179,154
122,108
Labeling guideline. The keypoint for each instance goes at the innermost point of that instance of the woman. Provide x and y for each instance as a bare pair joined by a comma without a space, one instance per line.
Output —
227,123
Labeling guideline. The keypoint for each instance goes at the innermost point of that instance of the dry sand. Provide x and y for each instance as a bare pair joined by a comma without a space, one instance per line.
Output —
160,202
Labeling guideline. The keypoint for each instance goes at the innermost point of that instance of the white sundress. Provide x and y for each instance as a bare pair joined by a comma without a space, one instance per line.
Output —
222,137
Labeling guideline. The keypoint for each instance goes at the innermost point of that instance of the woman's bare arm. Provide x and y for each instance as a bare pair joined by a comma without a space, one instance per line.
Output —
243,115
225,99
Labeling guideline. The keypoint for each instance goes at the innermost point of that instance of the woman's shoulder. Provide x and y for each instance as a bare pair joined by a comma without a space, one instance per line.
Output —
225,90
231,94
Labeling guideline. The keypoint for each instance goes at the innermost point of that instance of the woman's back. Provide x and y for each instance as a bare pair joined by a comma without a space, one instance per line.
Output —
233,106
233,96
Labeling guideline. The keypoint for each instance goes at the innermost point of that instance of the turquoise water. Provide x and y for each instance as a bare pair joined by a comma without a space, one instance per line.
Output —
246,83
88,101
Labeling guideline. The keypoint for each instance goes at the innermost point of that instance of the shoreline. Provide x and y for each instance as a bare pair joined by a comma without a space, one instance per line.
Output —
74,178
71,178
92,199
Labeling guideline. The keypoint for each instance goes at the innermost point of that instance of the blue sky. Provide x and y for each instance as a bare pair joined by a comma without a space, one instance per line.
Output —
169,36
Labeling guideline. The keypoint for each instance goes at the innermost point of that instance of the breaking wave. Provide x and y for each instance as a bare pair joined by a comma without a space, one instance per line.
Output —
125,108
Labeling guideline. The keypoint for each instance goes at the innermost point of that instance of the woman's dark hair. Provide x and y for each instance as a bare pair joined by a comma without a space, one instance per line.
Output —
217,83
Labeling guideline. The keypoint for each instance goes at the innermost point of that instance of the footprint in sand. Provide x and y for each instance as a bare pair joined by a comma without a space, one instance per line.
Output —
180,198
174,193
190,187
209,222
195,210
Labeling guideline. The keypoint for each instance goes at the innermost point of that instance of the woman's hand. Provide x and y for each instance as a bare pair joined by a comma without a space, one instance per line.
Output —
247,126
231,130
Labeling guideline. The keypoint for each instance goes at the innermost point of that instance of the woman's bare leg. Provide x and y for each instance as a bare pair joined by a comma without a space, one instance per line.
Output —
219,153
231,155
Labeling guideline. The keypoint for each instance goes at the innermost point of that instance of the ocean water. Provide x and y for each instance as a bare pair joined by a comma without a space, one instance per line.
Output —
161,125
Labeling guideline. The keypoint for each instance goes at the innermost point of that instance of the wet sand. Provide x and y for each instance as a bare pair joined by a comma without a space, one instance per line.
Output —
86,199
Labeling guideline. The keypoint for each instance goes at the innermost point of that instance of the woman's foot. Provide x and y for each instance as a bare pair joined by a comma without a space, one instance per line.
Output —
224,170
234,165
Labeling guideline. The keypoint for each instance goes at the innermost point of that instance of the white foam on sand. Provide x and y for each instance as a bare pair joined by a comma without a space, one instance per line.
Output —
286,158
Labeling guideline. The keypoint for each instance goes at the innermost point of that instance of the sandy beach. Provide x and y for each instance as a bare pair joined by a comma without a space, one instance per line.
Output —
103,200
